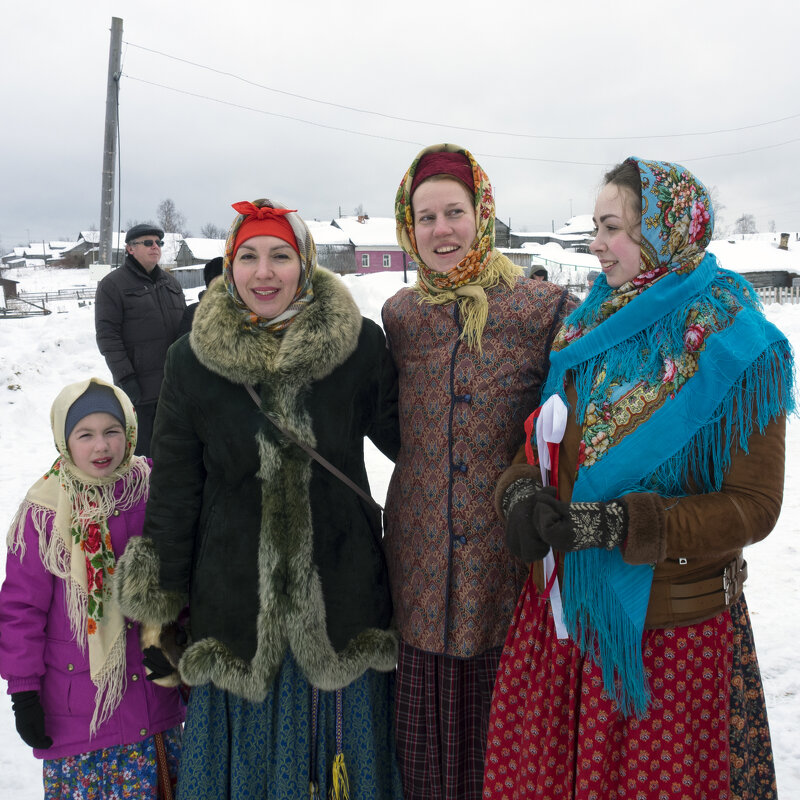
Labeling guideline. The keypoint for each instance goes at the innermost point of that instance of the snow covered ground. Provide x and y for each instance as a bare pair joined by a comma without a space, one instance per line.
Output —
38,356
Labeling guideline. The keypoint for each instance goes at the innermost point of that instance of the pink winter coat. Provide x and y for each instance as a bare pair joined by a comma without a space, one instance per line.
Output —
38,652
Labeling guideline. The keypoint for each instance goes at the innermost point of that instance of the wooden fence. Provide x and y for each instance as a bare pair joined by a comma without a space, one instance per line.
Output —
779,294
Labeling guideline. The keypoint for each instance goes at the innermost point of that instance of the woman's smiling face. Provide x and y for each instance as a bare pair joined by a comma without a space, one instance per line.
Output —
266,273
444,222
617,250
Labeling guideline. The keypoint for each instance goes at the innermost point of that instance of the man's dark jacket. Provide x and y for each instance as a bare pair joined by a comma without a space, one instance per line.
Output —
137,318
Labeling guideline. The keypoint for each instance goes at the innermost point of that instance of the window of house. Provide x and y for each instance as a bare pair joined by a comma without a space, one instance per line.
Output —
387,260
365,259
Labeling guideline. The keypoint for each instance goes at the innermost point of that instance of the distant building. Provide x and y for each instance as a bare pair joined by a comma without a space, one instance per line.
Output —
198,251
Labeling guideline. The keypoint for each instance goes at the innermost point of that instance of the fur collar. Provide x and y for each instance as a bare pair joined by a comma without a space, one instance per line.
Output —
320,338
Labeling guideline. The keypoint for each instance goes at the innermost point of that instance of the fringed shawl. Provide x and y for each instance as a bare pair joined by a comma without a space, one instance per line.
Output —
69,511
673,371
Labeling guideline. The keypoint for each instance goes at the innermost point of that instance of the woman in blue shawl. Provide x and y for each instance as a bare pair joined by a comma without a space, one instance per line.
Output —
629,669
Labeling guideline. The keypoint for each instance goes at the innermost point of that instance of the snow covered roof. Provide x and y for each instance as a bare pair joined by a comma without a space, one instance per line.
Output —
756,254
206,249
93,237
327,233
371,232
582,223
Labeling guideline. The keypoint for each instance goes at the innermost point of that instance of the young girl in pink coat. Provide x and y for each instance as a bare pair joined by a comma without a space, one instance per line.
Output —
73,663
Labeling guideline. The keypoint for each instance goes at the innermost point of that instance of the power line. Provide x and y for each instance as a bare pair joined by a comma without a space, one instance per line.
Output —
357,110
422,144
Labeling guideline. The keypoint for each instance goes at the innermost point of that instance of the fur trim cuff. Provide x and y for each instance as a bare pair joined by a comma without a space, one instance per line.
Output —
136,586
646,542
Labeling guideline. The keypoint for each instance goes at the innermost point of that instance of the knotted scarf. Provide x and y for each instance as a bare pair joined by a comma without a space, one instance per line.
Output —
481,269
77,546
672,371
263,210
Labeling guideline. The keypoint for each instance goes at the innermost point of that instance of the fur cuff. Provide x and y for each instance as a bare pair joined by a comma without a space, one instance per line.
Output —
647,541
136,586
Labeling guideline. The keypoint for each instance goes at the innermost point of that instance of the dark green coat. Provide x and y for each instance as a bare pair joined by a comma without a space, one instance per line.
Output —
271,550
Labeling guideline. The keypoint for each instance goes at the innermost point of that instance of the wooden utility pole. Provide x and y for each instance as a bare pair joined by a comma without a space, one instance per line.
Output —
110,143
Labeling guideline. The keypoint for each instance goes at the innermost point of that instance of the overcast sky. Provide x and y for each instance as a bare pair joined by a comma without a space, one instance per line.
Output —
322,105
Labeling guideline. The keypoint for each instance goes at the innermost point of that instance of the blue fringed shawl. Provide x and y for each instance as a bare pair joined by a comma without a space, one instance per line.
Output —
744,377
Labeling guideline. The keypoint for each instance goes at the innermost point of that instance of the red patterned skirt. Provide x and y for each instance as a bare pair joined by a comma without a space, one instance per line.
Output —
554,732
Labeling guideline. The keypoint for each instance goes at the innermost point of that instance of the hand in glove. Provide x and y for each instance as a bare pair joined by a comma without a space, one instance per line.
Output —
579,526
29,718
518,503
162,648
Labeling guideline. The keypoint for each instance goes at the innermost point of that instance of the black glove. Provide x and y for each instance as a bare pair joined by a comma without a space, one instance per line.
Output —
29,718
130,386
579,526
157,663
518,502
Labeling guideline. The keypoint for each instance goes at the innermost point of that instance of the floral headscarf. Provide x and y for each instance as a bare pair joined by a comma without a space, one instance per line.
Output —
480,269
78,548
673,370
308,263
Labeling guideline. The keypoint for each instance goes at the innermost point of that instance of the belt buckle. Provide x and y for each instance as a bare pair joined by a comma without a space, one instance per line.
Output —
729,575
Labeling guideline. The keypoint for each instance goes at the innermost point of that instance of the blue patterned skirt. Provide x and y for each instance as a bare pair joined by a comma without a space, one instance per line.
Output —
113,773
234,748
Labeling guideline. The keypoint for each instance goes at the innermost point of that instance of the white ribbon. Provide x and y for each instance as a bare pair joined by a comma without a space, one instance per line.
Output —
550,426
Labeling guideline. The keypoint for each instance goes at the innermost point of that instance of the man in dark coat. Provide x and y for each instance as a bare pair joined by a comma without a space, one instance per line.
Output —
138,311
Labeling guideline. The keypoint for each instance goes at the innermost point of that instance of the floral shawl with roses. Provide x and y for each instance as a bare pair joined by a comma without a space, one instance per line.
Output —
673,371
70,511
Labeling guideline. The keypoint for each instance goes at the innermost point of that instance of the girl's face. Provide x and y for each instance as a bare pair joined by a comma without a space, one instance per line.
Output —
618,252
266,273
97,444
444,222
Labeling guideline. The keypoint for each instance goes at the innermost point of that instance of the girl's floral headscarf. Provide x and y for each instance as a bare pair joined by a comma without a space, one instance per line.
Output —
78,549
482,268
266,211
673,371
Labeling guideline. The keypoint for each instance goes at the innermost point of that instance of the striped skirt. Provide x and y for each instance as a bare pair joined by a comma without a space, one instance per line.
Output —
278,748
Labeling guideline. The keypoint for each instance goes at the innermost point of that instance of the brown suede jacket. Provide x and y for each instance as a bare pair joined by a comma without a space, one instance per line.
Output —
695,542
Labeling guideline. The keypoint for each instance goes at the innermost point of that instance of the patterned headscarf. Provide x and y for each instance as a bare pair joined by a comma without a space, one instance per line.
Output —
672,370
308,263
479,270
78,549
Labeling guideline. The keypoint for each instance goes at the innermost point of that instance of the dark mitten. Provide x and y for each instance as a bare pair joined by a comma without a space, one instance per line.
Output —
521,539
130,386
157,664
29,717
579,526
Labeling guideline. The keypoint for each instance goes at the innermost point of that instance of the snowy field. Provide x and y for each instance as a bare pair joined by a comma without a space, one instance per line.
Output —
38,356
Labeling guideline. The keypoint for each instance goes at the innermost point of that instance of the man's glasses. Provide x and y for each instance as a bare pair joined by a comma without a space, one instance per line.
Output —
149,242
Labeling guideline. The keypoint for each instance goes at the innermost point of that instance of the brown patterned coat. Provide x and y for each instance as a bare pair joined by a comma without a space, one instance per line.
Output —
454,584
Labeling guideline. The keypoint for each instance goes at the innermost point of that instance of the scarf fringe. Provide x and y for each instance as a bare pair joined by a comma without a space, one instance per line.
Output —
473,306
616,647
111,684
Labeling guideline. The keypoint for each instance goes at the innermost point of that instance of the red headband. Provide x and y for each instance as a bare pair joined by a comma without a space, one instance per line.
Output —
264,221
456,165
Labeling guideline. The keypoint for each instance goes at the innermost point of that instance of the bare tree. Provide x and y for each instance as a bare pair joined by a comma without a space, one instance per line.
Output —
170,219
772,226
745,224
212,231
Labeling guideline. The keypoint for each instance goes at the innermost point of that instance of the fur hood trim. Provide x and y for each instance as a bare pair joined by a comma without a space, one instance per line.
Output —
323,336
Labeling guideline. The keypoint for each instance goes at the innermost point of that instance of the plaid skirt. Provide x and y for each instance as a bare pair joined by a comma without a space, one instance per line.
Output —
554,732
442,716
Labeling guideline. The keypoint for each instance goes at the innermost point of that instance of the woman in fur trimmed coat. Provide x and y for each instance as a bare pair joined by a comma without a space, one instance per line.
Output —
292,658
